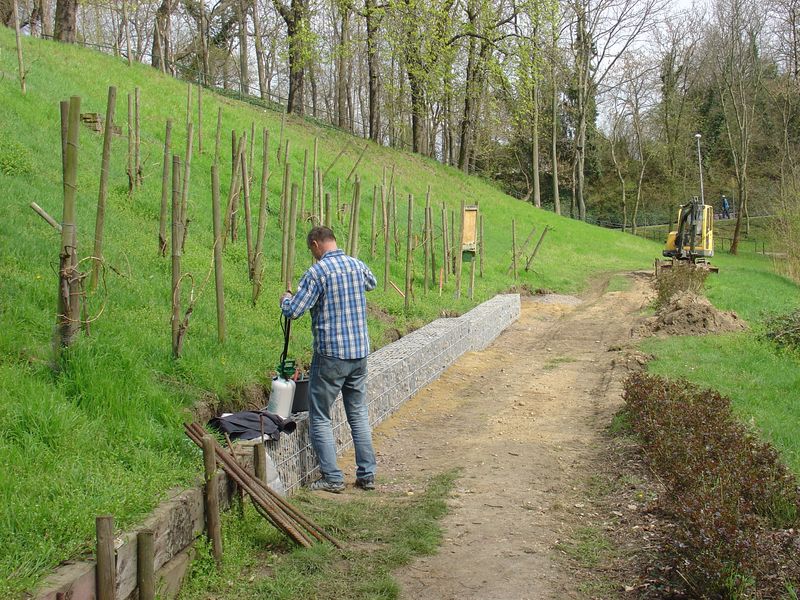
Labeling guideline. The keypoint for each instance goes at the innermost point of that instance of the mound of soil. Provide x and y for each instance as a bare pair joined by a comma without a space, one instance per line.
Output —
686,313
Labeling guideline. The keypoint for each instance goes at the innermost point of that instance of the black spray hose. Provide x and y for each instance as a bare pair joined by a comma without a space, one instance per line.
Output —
286,326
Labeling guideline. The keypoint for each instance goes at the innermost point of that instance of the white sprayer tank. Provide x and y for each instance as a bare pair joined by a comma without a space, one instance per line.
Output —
281,396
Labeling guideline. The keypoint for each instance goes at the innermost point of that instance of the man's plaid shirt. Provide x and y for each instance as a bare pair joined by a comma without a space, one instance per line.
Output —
334,289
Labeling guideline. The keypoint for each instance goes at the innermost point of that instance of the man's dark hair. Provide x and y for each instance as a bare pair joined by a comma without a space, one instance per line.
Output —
320,234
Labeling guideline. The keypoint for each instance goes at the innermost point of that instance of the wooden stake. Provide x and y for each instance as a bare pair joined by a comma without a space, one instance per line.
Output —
137,161
145,564
262,221
316,191
219,238
188,104
252,158
358,162
64,107
286,185
303,190
260,462
43,213
458,249
280,139
199,117
103,194
338,205
335,160
213,525
409,250
68,315
131,171
445,250
328,212
284,217
426,243
356,220
453,248
387,249
373,222
536,249
217,136
481,243
162,221
20,60
432,245
233,192
292,236
394,224
177,236
248,220
514,248
187,170
106,568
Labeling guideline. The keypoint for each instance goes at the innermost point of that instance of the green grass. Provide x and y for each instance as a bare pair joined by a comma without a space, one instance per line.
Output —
380,532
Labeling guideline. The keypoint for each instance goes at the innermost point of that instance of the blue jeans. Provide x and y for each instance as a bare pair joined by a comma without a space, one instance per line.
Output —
329,376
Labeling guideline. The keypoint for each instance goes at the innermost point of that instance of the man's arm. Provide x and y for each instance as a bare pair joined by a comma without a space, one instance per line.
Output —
307,293
369,279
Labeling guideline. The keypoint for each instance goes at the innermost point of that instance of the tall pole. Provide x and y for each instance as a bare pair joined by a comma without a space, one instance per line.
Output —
700,166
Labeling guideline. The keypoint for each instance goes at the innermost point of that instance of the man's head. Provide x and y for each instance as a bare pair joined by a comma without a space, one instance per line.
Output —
321,240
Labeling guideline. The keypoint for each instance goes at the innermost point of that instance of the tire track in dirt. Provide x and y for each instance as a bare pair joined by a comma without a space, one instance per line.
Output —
524,421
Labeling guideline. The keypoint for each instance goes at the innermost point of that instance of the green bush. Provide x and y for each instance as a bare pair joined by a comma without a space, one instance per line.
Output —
733,502
784,330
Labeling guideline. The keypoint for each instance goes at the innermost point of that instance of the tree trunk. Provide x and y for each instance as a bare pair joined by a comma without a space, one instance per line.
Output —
161,30
244,67
469,93
295,18
373,67
66,21
260,61
341,66
537,194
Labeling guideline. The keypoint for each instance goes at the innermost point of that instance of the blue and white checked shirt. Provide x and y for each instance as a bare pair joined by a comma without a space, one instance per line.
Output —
334,289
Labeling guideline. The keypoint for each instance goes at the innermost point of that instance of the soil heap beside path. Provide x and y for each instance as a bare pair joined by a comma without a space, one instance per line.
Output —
687,313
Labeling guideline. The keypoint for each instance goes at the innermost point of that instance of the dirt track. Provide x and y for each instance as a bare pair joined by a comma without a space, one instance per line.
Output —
523,420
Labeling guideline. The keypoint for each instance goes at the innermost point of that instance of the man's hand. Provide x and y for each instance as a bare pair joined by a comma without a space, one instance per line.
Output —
286,295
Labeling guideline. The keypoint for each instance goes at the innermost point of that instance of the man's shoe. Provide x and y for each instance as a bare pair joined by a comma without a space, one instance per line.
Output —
323,485
368,483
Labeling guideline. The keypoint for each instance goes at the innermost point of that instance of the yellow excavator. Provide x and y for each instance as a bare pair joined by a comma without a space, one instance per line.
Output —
694,239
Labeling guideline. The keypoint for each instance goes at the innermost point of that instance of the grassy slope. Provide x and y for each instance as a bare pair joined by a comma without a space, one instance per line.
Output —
104,435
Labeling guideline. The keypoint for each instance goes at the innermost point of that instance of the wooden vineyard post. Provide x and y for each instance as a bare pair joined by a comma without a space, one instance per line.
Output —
514,248
248,221
426,244
137,154
106,568
387,250
284,223
234,149
316,185
213,525
292,235
432,247
188,104
303,189
217,136
145,564
219,237
233,191
445,251
64,109
187,170
286,178
458,249
69,310
199,117
252,158
536,249
103,194
177,236
262,222
394,222
20,61
453,247
260,462
409,250
373,222
355,220
241,165
280,139
481,243
162,221
131,172
328,209
338,204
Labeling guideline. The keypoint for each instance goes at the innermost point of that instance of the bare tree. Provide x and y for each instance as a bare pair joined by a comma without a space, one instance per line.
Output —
738,73
66,25
295,15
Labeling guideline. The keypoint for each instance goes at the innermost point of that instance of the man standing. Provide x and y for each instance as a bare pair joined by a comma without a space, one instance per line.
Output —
726,207
334,289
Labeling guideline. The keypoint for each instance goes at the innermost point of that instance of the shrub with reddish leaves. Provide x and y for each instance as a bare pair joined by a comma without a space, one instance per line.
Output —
736,506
